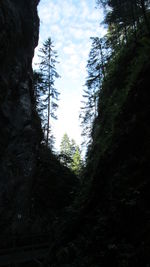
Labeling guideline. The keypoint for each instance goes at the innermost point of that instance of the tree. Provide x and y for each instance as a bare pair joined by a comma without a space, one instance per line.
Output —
96,72
76,165
124,16
73,146
65,151
70,154
50,94
38,92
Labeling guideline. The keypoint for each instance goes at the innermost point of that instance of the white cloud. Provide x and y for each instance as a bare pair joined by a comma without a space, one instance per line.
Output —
70,49
49,12
56,29
85,9
76,32
68,9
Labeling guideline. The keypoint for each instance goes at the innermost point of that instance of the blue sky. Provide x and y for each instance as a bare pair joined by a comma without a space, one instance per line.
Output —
70,24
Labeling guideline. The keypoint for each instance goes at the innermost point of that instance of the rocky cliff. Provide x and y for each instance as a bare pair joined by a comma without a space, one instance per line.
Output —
34,186
109,222
19,29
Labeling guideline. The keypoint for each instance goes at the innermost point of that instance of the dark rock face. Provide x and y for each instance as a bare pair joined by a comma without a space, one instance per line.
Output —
19,139
109,225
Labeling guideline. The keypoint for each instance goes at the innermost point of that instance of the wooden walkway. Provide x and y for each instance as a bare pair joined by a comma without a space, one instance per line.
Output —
19,249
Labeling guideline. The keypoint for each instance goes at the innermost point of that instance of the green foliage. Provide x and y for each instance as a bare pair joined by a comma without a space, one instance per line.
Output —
70,154
65,151
123,74
76,165
124,17
124,60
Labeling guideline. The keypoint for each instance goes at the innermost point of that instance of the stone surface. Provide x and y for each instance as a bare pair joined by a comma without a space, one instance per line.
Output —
19,29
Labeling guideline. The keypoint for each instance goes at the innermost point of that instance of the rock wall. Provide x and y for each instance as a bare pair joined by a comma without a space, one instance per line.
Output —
19,124
109,222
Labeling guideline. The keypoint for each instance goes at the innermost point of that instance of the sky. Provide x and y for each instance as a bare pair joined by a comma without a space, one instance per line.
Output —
70,24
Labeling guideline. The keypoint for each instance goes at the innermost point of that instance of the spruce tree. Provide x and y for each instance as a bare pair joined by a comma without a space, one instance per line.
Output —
48,59
73,146
96,72
70,154
38,93
65,151
76,165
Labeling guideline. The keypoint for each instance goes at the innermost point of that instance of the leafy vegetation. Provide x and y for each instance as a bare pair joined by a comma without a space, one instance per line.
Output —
70,155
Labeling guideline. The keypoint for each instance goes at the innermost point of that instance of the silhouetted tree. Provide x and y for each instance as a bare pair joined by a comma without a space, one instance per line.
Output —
50,94
65,151
96,72
38,93
123,17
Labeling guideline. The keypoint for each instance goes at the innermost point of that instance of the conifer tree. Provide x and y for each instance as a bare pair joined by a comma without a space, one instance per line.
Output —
48,59
73,146
70,154
76,165
123,17
38,92
96,72
65,150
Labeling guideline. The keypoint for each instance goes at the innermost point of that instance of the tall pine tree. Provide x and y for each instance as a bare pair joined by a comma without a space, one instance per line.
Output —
65,151
96,72
48,59
38,92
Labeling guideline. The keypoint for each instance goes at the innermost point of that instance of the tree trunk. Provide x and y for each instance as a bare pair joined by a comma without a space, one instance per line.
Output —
102,60
48,116
49,98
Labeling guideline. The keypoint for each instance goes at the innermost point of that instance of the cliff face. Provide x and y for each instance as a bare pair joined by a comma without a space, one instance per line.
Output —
109,223
34,186
19,139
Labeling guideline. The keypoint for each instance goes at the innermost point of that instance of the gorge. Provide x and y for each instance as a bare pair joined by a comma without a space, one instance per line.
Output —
105,220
